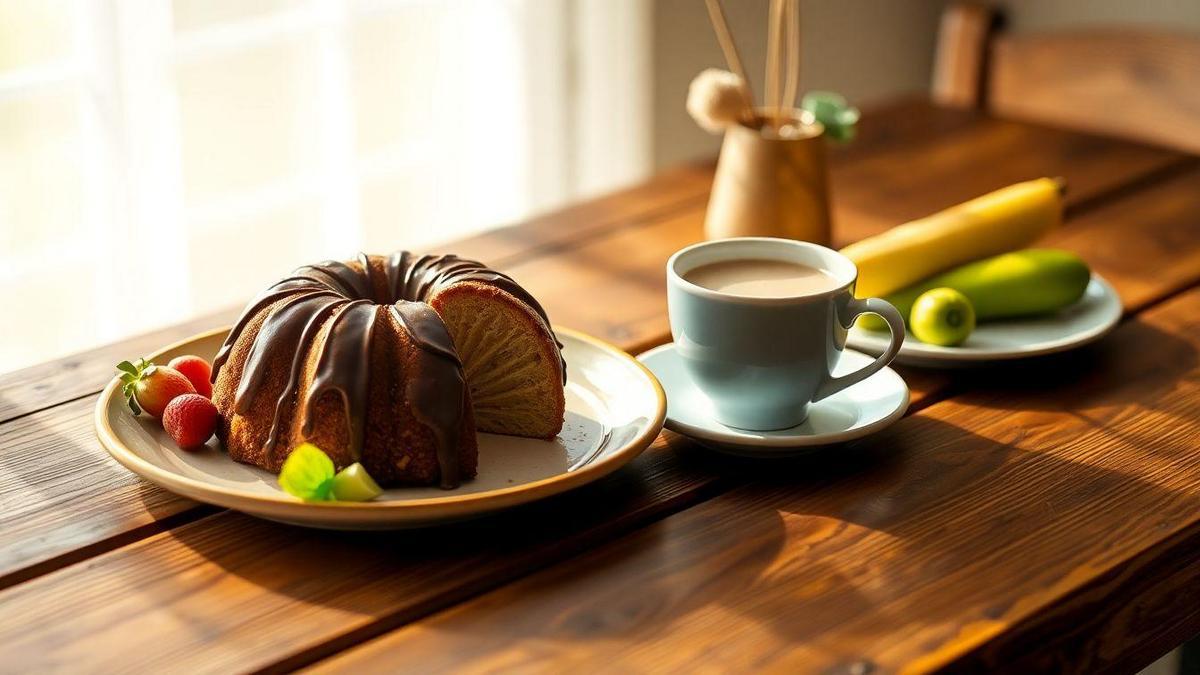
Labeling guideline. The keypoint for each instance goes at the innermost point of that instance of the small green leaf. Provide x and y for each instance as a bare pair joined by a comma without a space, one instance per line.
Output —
833,112
130,375
133,404
307,473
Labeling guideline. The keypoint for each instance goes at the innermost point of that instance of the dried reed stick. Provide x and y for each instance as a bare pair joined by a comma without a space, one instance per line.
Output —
792,72
774,38
716,15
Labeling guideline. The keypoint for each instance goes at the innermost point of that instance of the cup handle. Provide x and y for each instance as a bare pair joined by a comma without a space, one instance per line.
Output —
895,324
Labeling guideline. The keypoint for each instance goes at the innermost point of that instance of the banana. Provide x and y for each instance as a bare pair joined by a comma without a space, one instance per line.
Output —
1005,220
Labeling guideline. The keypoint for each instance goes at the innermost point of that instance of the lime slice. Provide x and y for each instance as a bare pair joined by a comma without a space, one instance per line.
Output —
354,484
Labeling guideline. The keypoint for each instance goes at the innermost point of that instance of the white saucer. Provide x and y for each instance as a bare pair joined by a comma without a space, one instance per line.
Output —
1088,320
857,411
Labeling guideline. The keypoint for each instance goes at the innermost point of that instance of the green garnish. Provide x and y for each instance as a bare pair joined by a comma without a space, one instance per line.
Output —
308,473
833,112
354,484
130,374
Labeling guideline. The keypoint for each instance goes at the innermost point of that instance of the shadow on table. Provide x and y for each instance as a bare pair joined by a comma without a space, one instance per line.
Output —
917,533
843,539
1139,358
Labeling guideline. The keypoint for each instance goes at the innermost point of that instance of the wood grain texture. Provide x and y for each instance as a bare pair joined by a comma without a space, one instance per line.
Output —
1128,82
61,495
230,592
1048,521
54,382
296,614
1159,224
680,188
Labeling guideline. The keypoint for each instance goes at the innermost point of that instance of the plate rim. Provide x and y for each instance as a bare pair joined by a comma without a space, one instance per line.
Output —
790,442
286,506
946,355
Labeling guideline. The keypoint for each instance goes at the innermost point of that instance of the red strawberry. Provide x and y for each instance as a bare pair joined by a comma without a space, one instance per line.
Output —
190,420
196,370
149,387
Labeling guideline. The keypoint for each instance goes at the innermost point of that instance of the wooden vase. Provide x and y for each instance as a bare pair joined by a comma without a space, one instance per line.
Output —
771,184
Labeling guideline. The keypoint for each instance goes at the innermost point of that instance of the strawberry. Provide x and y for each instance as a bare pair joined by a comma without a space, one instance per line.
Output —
149,387
190,420
196,370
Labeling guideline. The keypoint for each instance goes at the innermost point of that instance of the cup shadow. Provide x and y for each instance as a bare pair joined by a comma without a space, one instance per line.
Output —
827,554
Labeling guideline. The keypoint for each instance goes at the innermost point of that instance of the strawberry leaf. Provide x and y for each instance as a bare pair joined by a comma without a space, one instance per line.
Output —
131,399
130,375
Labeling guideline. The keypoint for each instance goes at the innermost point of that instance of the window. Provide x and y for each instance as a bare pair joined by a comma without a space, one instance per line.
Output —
159,160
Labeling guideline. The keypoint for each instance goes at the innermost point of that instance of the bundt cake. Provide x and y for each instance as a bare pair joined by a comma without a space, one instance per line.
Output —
392,361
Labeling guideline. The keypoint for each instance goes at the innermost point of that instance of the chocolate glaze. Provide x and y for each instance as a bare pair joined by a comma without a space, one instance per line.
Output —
438,392
342,367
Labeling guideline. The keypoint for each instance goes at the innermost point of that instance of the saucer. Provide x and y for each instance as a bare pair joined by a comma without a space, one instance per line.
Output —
852,413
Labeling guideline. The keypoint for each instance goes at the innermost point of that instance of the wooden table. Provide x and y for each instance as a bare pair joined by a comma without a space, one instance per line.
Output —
1040,515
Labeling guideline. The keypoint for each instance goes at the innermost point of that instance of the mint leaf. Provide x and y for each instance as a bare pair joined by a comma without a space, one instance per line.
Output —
307,473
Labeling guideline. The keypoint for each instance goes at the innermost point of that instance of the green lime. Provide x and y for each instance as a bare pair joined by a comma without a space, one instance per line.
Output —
942,316
307,473
354,484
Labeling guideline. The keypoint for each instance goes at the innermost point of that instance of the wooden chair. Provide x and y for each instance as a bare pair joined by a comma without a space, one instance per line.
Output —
1139,83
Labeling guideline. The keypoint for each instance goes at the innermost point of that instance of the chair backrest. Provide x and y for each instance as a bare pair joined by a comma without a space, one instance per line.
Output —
1137,83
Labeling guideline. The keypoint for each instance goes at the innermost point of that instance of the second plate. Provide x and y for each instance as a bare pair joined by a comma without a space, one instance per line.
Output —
1089,319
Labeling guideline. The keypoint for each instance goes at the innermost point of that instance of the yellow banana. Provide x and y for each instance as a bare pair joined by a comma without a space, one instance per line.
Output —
1005,220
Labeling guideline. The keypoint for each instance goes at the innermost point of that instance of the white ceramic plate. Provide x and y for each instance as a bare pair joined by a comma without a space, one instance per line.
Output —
1088,320
615,408
852,413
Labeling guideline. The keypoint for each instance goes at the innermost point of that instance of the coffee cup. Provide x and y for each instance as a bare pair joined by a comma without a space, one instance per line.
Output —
760,324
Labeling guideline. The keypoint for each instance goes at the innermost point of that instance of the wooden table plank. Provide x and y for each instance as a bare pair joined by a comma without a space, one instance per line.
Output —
62,498
61,380
231,570
389,589
1164,225
1047,521
680,188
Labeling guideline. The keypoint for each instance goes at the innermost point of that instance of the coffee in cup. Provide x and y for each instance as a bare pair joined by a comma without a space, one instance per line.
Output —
761,278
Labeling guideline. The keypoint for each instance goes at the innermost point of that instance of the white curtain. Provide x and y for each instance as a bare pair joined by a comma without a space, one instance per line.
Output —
163,159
